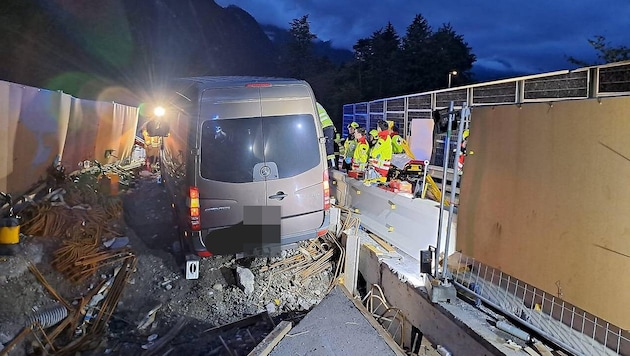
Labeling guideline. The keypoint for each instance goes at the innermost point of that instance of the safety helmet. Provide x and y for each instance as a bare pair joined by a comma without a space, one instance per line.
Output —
374,133
353,124
466,134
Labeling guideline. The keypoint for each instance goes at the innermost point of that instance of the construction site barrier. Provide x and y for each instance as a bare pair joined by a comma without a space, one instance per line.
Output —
410,224
39,128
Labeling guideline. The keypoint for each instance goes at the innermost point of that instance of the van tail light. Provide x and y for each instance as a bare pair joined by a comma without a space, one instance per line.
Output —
195,214
326,191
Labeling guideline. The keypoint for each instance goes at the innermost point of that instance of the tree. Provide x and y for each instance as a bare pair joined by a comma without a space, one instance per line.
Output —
448,51
606,52
415,55
299,58
378,58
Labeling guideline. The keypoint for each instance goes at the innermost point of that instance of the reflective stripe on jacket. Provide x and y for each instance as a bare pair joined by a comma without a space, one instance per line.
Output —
360,157
381,153
323,116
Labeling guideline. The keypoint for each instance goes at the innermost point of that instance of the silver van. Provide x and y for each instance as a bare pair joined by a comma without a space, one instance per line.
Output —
237,143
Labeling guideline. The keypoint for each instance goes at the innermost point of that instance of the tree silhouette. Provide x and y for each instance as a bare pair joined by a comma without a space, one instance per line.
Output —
378,58
448,51
606,52
299,59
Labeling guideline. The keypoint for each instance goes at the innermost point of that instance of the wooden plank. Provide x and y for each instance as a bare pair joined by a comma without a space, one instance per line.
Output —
166,338
542,349
378,327
384,244
247,321
522,219
351,268
373,249
271,340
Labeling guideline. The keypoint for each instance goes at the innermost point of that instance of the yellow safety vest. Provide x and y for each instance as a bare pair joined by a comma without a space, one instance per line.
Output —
323,116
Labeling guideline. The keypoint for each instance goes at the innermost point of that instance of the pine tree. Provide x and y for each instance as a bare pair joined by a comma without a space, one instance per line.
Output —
415,55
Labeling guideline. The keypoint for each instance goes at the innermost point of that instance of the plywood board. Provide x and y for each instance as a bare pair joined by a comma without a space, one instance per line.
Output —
545,198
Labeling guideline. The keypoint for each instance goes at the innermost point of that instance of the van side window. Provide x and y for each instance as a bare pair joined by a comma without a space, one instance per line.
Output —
230,148
292,142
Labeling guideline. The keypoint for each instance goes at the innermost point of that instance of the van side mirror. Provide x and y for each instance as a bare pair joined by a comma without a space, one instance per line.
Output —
158,128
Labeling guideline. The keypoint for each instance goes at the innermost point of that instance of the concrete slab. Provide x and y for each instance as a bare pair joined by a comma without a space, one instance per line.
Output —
334,327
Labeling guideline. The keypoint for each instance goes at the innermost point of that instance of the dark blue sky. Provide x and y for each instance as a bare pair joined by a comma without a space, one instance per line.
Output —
531,36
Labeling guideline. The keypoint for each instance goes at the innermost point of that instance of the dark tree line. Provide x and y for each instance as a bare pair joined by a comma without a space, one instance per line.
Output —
606,52
385,64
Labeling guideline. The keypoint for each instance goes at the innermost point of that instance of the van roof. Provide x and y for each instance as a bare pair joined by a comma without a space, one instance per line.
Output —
223,81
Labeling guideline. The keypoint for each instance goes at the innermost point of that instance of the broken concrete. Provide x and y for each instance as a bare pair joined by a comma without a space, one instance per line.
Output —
245,279
334,327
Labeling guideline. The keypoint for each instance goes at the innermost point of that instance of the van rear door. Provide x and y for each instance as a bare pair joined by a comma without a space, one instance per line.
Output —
231,147
292,145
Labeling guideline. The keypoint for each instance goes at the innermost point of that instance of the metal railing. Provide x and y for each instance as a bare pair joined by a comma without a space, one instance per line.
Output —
570,327
589,82
566,325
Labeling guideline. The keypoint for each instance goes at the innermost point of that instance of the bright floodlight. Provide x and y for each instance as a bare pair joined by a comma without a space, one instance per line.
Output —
159,111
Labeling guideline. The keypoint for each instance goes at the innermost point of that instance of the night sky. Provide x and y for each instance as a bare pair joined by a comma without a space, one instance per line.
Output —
532,36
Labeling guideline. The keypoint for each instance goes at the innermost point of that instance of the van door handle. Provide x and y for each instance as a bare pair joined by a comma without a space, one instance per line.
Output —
278,195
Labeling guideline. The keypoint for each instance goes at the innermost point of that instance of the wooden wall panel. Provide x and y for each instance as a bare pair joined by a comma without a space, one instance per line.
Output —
545,197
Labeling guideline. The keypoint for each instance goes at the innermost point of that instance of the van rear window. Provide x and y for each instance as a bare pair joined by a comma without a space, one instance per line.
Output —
230,148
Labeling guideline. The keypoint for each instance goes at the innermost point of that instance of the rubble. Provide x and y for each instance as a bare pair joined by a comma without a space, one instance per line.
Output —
245,279
110,261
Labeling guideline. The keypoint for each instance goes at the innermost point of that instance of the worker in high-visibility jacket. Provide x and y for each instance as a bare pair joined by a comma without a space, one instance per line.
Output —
460,161
397,140
329,133
381,154
152,145
349,146
339,150
361,152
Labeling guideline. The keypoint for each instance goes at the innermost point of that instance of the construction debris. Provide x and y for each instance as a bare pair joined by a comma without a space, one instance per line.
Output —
90,253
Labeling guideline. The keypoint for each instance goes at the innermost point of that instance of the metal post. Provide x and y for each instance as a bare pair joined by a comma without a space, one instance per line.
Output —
447,148
458,151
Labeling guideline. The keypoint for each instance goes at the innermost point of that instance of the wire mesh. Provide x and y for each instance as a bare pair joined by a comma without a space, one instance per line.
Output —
579,332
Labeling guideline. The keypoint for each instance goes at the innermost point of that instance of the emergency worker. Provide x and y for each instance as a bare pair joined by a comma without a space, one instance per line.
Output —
329,133
460,161
349,146
361,152
373,138
397,140
151,146
339,150
381,153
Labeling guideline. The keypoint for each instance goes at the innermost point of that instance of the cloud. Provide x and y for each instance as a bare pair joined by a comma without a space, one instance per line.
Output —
533,36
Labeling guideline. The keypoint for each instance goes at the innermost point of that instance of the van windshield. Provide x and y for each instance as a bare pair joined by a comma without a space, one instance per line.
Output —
230,148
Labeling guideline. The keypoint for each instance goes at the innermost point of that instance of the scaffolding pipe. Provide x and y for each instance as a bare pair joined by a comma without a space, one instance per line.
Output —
447,148
451,207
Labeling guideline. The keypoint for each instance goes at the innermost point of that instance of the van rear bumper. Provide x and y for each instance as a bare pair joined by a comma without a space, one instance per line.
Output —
196,240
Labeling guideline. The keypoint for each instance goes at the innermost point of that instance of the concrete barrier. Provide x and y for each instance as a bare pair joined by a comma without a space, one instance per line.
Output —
410,224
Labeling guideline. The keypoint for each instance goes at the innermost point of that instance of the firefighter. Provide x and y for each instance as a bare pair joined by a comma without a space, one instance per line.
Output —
349,146
361,152
460,161
329,132
380,155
